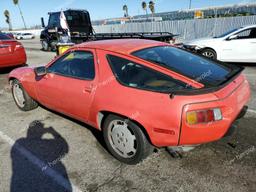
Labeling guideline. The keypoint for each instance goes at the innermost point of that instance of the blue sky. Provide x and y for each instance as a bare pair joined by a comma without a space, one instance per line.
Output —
33,10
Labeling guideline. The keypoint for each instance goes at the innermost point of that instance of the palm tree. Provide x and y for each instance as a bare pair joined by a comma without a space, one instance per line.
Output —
151,6
8,19
144,7
125,9
16,2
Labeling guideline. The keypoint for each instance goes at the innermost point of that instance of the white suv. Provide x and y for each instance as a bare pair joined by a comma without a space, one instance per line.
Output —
238,45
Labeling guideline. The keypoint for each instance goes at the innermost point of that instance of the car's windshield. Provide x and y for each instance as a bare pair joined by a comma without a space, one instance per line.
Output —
227,33
196,67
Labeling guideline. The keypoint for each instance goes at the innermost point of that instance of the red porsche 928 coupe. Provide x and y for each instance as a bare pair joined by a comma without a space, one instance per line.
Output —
141,94
12,53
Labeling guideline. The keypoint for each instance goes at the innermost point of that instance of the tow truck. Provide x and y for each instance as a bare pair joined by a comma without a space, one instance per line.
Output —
81,30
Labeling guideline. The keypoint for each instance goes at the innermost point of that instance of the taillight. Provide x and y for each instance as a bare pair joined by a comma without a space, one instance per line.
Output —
18,46
203,116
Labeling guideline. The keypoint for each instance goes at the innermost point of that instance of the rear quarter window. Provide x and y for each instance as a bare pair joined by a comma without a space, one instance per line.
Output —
138,76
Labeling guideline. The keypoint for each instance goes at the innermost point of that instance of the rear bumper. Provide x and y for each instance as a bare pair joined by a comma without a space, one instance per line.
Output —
15,59
232,102
233,127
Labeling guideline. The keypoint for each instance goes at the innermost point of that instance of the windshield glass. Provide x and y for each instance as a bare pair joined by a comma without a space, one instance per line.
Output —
198,68
225,34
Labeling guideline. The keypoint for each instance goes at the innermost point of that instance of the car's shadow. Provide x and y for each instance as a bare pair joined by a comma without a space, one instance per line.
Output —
7,70
37,161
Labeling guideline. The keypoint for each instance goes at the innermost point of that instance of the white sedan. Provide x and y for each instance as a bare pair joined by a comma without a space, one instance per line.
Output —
21,36
238,45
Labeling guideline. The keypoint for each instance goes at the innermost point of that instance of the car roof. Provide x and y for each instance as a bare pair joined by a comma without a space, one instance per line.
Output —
249,26
125,46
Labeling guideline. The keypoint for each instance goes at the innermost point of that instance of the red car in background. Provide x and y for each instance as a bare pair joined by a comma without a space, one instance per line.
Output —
139,93
12,52
10,35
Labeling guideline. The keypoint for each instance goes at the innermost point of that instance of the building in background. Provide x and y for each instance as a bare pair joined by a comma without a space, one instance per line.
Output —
199,13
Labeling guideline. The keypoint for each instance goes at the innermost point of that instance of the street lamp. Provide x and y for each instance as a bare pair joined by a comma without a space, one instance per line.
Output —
190,3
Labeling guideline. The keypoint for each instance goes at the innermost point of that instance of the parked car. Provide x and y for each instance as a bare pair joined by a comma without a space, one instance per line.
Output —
139,93
237,45
12,53
21,36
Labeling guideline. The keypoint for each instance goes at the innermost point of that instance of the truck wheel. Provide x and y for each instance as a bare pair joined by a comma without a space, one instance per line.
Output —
125,140
45,46
210,53
54,46
21,98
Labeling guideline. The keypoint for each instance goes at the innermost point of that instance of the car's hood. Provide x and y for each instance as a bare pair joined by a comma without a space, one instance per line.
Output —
202,41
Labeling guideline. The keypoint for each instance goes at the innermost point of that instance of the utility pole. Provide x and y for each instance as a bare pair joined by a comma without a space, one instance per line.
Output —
190,4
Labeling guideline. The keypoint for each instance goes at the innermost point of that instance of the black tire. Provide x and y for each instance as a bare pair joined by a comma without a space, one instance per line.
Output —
29,103
143,146
45,45
53,46
209,53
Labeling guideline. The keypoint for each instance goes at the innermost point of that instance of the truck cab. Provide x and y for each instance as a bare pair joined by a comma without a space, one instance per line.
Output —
79,23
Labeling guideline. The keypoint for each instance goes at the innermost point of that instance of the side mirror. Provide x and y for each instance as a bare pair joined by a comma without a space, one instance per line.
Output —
40,71
232,37
42,22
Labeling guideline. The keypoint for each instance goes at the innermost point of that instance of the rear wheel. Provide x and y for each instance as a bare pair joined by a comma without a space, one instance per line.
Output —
210,53
21,98
125,140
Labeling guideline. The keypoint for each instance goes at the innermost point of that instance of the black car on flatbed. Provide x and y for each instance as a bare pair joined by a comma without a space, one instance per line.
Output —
81,30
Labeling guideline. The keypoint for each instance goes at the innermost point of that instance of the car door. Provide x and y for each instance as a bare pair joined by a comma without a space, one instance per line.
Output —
26,36
68,86
240,47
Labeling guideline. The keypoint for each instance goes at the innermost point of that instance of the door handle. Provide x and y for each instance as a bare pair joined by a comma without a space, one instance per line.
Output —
88,89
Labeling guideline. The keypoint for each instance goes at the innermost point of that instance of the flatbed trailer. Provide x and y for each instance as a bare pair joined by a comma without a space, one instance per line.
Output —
157,36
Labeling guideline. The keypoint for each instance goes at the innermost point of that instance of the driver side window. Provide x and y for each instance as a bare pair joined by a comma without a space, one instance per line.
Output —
77,64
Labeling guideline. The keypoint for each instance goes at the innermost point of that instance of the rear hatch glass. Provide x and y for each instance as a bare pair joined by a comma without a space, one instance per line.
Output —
207,72
7,44
4,37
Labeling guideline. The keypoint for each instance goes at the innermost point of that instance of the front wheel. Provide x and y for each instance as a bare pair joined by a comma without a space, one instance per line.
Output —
125,140
21,98
209,53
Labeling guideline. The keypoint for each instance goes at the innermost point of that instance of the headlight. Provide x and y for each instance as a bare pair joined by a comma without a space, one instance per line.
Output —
191,47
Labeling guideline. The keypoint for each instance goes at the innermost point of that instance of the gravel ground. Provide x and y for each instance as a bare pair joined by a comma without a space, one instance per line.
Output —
50,152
